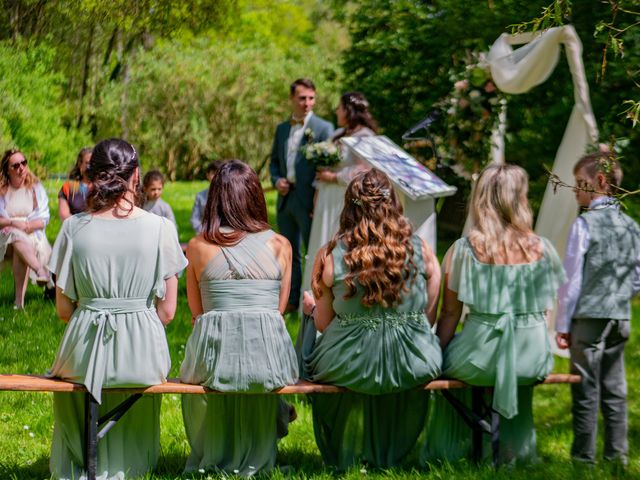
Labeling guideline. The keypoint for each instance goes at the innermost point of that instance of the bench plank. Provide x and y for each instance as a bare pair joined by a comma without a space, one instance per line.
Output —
40,383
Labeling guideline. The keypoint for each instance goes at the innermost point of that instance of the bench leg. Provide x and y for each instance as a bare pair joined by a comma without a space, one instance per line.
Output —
477,405
90,436
495,438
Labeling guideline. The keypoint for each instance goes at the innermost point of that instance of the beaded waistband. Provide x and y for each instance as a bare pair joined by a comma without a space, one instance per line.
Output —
373,320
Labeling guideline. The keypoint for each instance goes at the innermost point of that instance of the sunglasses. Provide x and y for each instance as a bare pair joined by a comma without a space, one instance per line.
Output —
17,165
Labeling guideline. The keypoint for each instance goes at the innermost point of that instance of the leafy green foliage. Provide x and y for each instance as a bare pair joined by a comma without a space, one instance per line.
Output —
32,116
188,102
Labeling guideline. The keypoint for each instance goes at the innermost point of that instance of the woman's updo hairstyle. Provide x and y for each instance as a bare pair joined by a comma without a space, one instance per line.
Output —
112,164
356,109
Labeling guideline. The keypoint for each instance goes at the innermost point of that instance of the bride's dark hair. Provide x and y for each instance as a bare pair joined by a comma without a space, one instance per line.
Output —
356,108
112,164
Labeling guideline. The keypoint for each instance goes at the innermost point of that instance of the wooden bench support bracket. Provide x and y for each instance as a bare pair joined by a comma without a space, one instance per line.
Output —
475,418
91,424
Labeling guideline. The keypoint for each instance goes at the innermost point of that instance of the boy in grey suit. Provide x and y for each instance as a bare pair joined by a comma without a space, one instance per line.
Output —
602,262
292,175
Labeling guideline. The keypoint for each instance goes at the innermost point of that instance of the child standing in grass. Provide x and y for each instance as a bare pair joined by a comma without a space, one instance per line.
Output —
602,263
152,184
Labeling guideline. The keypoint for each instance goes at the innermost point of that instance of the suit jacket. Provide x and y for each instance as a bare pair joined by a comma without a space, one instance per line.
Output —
302,193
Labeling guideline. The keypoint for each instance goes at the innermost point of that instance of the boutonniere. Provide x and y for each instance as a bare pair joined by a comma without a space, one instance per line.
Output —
308,135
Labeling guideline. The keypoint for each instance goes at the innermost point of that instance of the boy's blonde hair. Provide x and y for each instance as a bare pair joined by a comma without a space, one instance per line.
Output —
600,162
500,212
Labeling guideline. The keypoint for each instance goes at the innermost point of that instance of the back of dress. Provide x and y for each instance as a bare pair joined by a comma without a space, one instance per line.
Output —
376,350
112,258
243,276
114,269
240,342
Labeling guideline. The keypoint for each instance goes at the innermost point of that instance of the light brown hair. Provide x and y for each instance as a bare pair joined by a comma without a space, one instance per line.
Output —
500,213
601,162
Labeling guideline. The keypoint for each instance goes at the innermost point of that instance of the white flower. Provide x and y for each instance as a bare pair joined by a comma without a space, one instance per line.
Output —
26,427
31,434
474,93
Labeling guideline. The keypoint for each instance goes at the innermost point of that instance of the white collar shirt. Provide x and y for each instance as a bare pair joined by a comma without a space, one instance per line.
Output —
293,145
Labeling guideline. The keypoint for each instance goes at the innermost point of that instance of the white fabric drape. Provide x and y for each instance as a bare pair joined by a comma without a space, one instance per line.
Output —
517,71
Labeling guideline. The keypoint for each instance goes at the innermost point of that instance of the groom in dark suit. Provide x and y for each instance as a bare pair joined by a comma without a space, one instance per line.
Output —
292,175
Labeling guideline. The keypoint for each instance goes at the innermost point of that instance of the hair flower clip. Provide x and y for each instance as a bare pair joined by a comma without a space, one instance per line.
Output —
357,201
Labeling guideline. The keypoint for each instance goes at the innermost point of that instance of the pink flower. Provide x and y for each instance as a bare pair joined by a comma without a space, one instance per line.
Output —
461,85
463,103
490,87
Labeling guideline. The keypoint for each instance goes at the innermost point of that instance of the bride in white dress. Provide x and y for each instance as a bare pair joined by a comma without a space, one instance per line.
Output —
355,120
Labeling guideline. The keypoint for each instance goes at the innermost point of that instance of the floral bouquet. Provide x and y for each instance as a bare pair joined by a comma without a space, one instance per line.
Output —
322,154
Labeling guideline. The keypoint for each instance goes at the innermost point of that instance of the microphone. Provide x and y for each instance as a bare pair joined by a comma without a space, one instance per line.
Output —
424,123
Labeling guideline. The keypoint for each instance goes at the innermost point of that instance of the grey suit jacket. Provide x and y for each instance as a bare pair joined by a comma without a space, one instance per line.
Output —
302,193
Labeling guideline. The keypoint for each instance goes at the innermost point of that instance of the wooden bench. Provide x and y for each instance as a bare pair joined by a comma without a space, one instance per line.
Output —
97,427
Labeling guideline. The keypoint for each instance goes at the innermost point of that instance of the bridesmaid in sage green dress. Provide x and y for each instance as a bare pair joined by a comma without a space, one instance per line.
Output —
376,292
116,285
508,278
238,283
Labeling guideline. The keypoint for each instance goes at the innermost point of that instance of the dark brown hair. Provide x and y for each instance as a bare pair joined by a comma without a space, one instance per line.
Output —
152,176
75,174
235,201
303,82
601,162
30,179
378,240
356,108
213,167
112,164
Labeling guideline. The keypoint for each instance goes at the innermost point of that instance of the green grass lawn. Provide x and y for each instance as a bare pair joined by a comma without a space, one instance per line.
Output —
30,339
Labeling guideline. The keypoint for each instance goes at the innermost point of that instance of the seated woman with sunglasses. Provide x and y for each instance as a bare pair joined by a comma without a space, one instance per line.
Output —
24,214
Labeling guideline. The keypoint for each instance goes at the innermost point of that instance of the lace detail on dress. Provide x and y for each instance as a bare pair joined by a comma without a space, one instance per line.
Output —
373,321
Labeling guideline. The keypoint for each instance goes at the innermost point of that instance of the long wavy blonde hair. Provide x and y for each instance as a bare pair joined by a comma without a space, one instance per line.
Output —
500,213
378,241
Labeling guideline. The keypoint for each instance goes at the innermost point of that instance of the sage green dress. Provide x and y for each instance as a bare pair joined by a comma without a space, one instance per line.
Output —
504,344
381,354
114,270
239,344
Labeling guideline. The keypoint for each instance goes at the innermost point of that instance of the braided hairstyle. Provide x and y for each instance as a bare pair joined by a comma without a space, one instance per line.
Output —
378,239
112,164
356,109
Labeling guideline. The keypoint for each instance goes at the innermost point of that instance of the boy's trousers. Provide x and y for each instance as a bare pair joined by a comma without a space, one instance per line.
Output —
597,353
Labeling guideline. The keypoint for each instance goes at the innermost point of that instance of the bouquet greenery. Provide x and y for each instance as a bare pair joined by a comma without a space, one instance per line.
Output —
322,154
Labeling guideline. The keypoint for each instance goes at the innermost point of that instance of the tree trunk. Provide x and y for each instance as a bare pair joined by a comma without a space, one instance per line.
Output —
85,74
